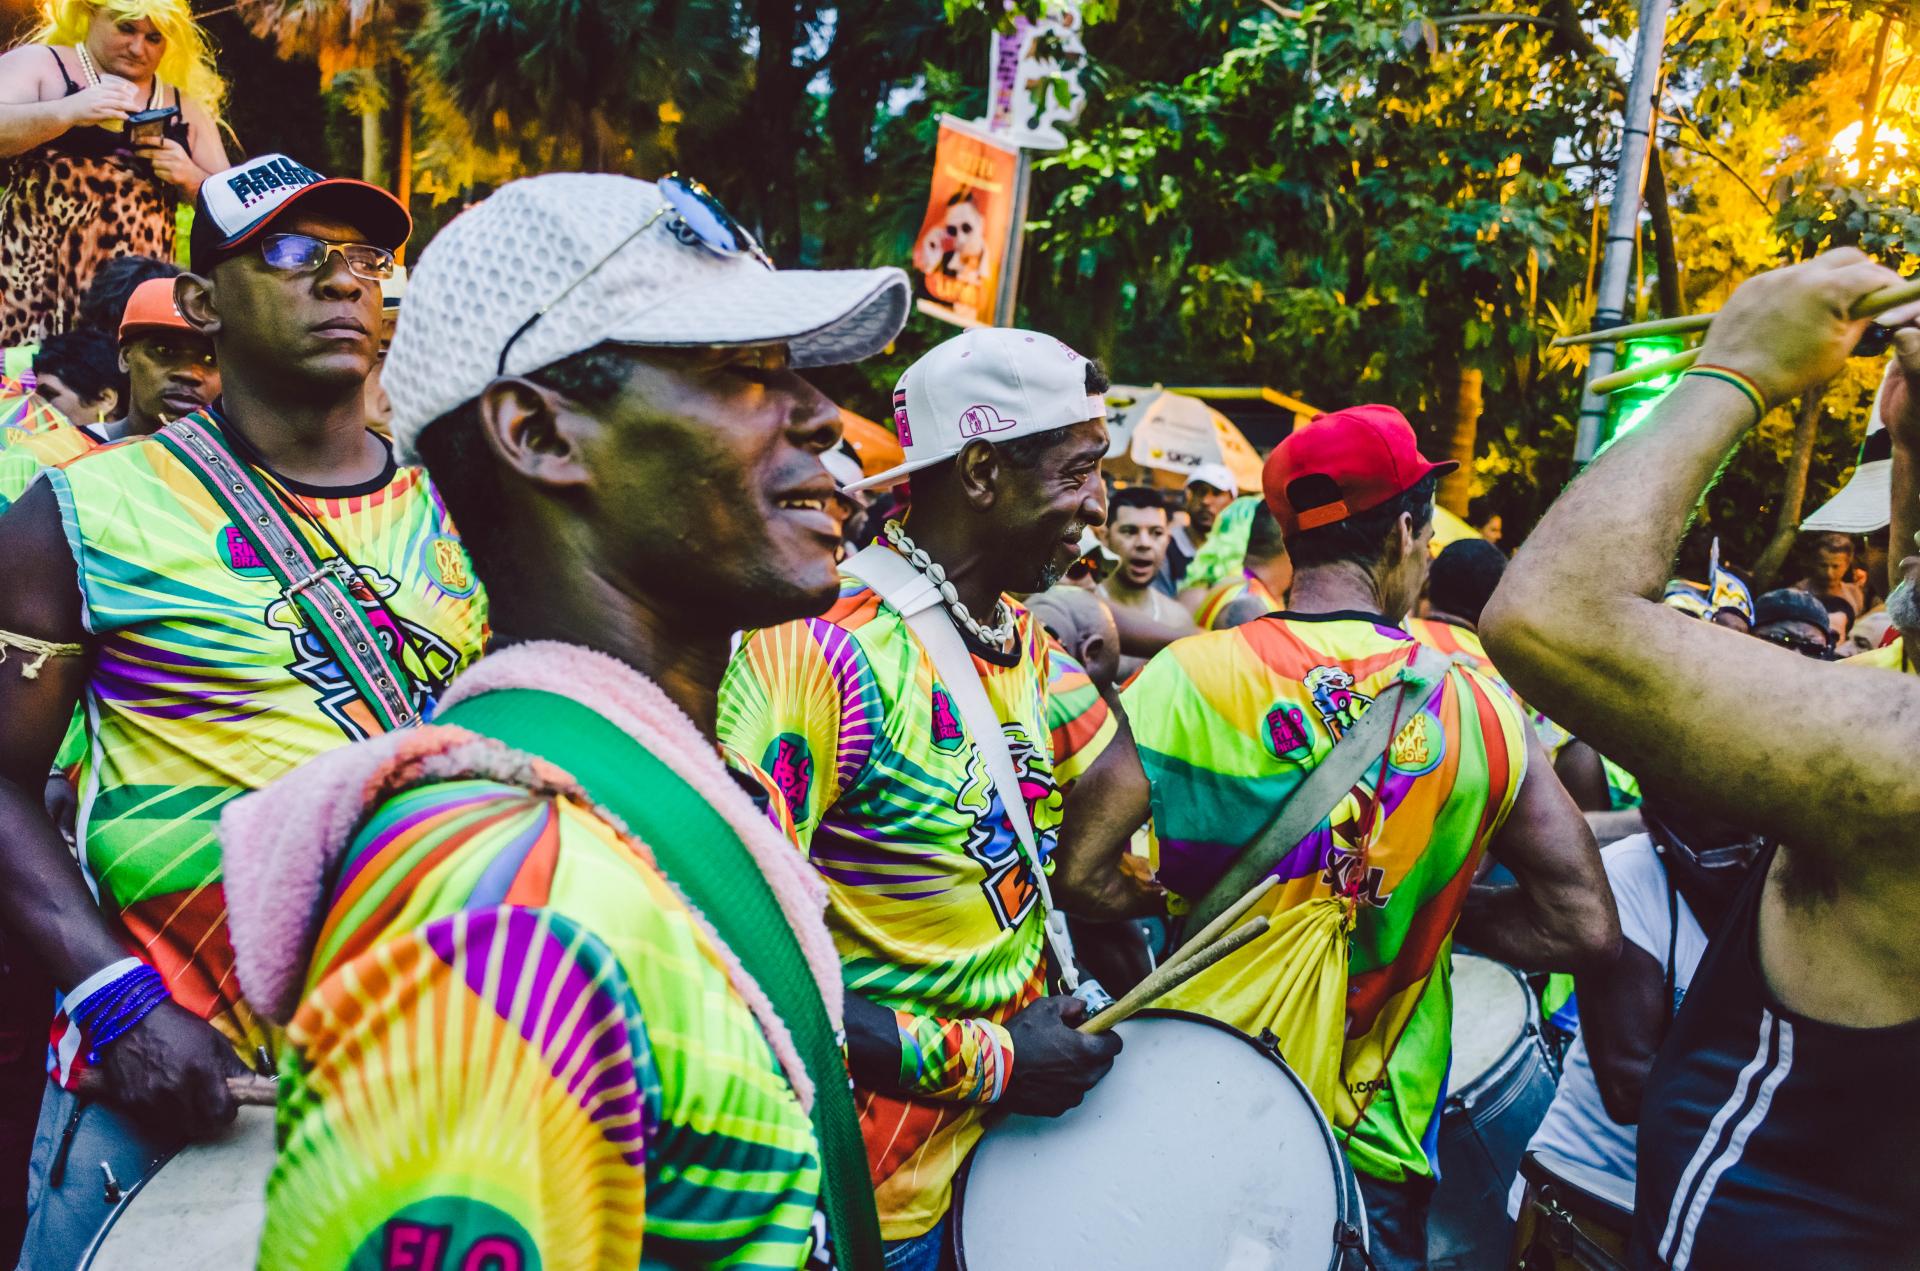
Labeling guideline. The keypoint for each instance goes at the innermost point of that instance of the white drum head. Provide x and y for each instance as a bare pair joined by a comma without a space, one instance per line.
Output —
1491,1007
205,1207
1197,1151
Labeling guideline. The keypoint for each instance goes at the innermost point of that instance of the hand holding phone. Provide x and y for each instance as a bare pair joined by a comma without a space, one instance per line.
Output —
150,126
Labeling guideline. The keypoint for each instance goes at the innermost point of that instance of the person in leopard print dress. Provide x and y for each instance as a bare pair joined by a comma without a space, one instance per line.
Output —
76,190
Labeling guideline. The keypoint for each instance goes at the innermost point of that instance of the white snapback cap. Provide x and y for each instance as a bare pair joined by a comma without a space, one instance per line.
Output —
1864,504
1217,475
993,382
519,250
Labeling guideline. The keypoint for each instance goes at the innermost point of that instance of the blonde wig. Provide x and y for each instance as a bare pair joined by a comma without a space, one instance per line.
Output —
187,63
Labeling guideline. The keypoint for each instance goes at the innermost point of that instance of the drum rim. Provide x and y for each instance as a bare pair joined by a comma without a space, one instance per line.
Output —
1346,1188
122,1205
126,1197
1502,1068
1538,1169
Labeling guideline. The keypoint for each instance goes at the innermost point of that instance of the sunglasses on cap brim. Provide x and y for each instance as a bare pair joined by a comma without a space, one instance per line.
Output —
698,219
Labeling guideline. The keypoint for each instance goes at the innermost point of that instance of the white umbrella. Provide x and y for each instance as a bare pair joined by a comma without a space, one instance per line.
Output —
1177,433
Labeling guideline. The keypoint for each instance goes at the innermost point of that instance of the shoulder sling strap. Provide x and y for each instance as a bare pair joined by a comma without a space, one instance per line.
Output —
319,588
1331,780
696,848
917,599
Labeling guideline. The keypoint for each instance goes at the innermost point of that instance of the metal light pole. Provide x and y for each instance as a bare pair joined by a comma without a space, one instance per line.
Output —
1623,218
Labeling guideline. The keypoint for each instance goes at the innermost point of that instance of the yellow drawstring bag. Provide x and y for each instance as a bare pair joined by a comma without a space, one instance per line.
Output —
1294,976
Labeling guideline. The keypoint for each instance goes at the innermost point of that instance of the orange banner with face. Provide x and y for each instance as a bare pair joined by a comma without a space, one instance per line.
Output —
961,253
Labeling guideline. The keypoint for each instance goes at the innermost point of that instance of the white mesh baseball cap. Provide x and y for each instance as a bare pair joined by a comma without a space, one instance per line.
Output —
993,382
553,265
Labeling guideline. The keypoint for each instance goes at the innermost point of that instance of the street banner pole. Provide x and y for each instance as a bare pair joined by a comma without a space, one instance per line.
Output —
1623,217
1009,299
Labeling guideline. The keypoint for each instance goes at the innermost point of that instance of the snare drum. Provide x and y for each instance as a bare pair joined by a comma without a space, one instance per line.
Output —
1573,1219
204,1206
1200,1149
1501,1086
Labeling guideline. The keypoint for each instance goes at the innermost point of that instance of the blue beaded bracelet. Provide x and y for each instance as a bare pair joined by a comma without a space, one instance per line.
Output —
106,1014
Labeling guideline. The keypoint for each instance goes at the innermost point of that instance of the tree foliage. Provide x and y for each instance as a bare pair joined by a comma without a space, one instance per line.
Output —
1346,199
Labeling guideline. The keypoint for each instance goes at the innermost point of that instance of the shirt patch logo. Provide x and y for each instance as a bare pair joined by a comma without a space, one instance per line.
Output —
946,728
1419,748
1289,735
1009,886
237,554
792,771
445,561
1333,696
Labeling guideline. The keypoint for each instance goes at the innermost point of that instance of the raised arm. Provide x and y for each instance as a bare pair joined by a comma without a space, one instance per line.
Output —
1577,628
1903,426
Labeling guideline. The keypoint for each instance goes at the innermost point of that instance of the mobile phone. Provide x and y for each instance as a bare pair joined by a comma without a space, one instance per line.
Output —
150,125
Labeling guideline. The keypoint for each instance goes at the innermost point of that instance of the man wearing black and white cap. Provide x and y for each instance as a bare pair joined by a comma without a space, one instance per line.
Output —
603,376
908,731
140,586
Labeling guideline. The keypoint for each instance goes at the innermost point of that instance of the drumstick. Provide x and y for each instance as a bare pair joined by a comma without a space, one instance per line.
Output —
1871,305
1170,976
1219,926
249,1091
1645,371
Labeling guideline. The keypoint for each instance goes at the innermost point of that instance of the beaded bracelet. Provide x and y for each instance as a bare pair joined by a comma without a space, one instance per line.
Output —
110,1002
1744,383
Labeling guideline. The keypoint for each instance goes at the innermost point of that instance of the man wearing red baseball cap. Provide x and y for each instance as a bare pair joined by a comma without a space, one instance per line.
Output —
170,372
1227,726
252,585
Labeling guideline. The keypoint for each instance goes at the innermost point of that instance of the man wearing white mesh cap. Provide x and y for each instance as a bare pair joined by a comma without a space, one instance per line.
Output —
907,729
558,992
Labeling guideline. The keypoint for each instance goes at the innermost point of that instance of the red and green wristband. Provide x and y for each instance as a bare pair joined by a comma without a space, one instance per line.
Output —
1742,383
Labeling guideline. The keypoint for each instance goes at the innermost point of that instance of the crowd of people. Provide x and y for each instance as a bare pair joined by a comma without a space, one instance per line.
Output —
629,828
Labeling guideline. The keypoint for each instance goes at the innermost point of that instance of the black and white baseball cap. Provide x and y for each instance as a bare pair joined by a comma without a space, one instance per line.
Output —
239,203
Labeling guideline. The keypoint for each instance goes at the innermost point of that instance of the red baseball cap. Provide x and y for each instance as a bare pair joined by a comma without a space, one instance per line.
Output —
1363,456
150,308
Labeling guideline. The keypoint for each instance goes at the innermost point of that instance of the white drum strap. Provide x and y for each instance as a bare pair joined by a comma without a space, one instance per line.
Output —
917,599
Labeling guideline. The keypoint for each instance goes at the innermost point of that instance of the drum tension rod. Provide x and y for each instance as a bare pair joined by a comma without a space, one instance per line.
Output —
112,1191
58,1170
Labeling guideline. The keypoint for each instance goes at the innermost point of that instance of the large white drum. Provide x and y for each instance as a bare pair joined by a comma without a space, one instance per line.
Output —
1499,1089
202,1207
1199,1150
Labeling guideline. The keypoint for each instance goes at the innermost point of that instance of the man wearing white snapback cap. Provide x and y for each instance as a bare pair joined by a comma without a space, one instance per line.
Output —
908,732
601,374
254,584
1210,488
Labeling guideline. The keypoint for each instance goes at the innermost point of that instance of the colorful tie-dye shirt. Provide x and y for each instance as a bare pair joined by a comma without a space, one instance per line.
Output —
24,412
1079,719
517,1048
22,460
1458,643
205,685
1229,723
932,906
1207,616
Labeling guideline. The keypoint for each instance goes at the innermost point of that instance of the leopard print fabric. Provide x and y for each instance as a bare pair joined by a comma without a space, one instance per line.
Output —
62,216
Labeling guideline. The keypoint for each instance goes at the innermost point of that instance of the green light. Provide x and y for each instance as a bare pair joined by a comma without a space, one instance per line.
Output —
1629,407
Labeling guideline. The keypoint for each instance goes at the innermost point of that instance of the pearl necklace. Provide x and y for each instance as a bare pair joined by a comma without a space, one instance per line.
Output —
995,637
87,68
